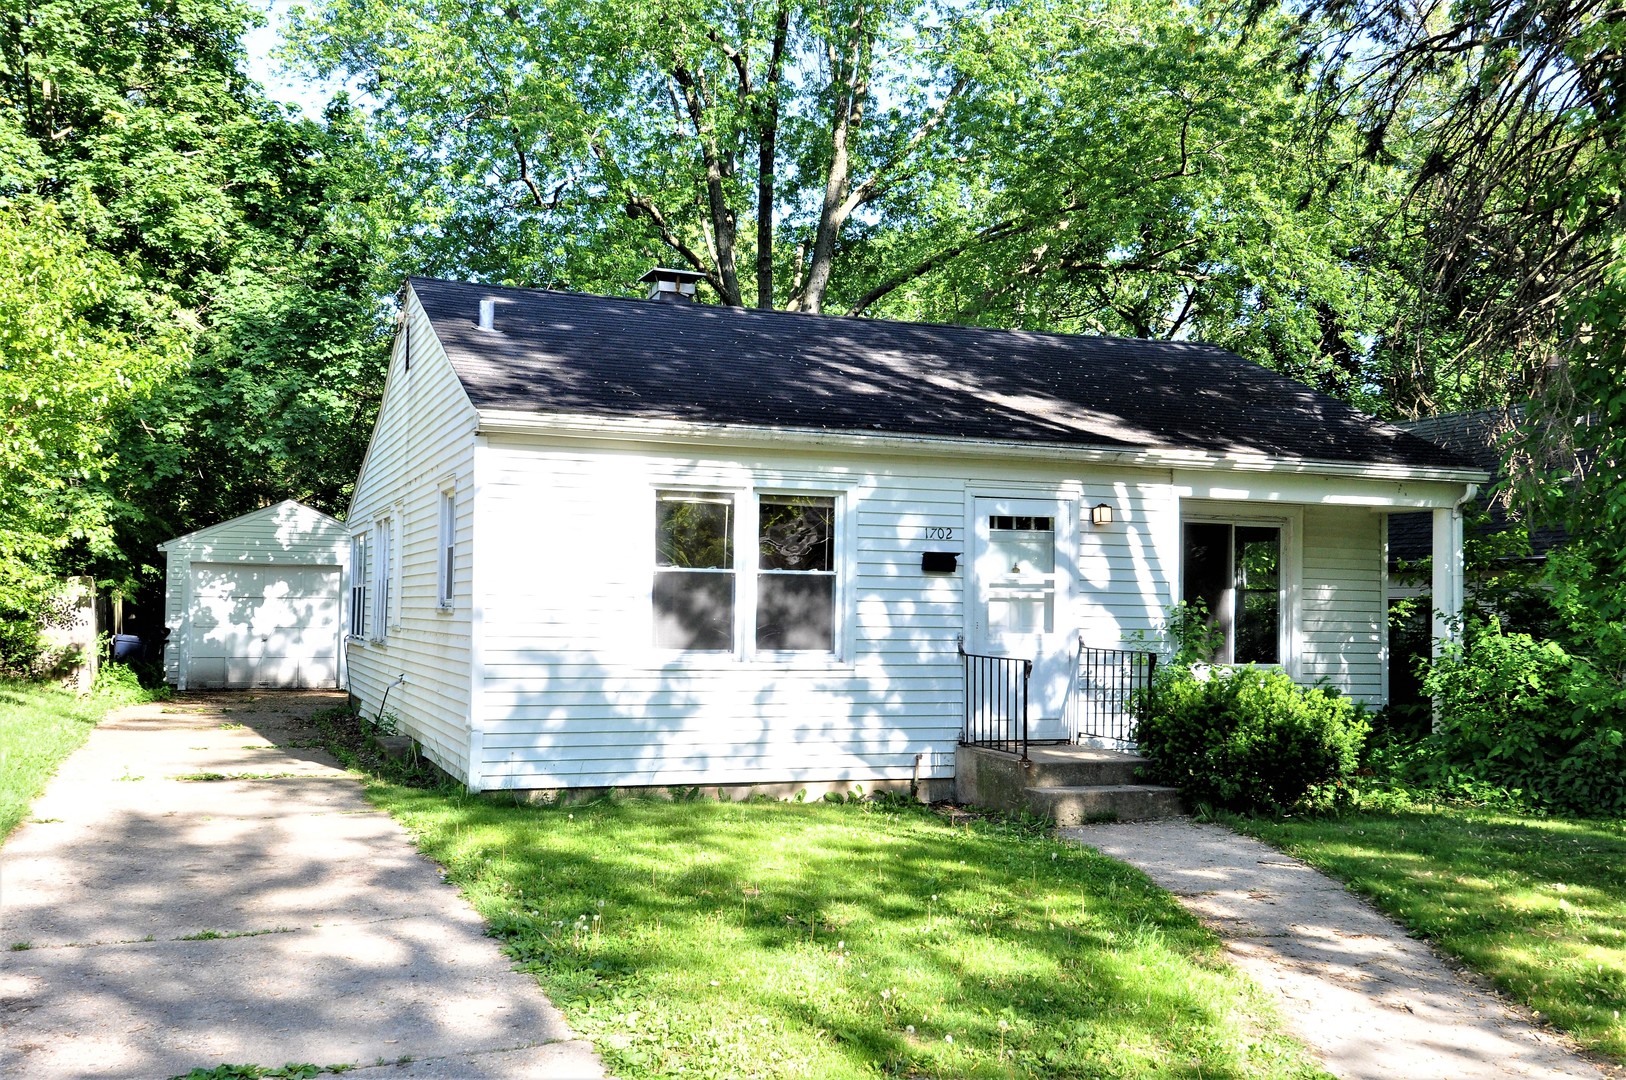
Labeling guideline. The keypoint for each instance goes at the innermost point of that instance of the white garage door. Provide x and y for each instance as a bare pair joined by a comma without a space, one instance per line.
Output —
263,626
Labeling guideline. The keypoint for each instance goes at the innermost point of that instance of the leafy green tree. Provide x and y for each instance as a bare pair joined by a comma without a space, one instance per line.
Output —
249,238
65,375
1119,166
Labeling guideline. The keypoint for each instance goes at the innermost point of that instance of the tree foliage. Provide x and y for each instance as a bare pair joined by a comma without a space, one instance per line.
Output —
1117,166
193,284
64,377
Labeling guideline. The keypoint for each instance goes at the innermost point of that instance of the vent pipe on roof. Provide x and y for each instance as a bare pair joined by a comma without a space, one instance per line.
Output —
488,314
671,286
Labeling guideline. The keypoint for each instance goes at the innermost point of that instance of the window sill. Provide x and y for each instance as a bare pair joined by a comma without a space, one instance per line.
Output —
730,662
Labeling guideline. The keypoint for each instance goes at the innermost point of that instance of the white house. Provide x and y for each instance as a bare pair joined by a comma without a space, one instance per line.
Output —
603,542
257,601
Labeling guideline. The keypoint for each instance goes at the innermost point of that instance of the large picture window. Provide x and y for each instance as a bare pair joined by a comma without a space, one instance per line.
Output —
796,573
694,571
1235,571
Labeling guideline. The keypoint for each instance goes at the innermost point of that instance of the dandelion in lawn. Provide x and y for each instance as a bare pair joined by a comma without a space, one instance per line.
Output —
948,1038
908,1029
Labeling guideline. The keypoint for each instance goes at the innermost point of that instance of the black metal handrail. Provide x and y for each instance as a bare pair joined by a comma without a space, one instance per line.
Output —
1111,684
996,702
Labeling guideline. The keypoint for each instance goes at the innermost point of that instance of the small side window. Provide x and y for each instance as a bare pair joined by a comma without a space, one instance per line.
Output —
358,585
447,548
383,568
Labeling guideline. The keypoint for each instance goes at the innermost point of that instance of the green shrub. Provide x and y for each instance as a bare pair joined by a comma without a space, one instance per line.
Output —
1544,726
1248,739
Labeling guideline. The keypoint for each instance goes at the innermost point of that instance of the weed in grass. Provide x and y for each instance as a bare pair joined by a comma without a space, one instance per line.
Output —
226,935
1536,904
215,777
21,946
290,1071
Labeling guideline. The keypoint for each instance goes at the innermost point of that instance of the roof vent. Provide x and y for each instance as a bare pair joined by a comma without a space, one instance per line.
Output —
672,286
488,314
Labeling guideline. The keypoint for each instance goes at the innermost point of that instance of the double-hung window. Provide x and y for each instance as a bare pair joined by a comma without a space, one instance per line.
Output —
786,601
1235,571
358,585
796,573
694,571
383,570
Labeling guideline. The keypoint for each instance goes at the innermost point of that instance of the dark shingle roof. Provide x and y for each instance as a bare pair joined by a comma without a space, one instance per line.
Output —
1474,436
598,356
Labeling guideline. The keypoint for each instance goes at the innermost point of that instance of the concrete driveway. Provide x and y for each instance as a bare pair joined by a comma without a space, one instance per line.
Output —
156,921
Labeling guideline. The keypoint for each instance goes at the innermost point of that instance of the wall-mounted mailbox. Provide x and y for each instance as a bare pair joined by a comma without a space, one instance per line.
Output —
939,562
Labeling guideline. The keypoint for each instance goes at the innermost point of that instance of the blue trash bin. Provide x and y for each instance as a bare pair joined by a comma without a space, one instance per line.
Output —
126,648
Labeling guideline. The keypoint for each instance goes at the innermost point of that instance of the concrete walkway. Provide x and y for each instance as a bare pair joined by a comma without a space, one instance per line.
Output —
1373,1003
156,925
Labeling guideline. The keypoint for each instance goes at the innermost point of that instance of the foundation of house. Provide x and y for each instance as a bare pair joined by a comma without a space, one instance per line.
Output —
926,791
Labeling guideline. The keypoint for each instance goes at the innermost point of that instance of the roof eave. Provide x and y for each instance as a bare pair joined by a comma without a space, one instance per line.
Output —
581,426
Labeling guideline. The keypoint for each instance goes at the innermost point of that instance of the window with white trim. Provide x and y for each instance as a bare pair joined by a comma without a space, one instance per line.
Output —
786,601
382,577
1235,571
796,573
446,564
694,588
358,585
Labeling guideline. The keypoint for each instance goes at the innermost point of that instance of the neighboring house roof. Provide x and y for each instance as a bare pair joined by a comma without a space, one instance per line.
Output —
285,509
1475,436
580,355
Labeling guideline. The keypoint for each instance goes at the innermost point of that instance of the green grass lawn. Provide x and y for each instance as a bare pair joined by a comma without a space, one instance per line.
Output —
39,726
1537,904
768,939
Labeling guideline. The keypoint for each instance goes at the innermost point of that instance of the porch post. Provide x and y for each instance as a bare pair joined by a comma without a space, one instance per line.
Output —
1448,581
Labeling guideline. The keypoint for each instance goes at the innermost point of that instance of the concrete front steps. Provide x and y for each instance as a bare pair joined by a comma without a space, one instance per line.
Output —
1070,785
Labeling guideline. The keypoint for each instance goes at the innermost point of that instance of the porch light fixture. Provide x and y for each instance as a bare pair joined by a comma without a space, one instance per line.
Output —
1100,514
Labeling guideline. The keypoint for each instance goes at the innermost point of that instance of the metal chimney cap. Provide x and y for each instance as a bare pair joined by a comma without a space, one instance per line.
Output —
488,314
668,273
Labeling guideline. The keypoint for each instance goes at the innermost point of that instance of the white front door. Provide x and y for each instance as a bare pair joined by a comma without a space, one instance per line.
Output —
1021,598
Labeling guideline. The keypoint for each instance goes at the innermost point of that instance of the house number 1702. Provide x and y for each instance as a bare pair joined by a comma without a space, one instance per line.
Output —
939,532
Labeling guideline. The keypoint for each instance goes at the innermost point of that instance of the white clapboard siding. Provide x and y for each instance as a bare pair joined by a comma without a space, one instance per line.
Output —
1126,570
1342,601
424,439
573,695
256,601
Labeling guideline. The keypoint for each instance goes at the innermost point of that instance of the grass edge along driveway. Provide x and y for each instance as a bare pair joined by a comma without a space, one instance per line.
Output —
40,725
769,939
1538,905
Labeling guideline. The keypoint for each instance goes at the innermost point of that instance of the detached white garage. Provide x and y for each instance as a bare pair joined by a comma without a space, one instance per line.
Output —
257,601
